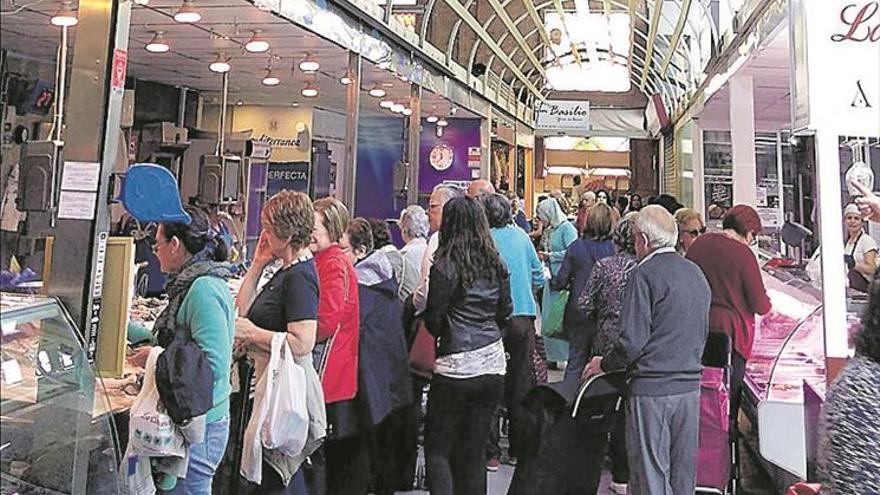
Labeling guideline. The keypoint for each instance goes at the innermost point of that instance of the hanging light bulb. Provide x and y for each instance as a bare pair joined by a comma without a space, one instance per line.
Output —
257,44
310,91
442,123
309,64
187,13
386,104
270,79
407,111
158,44
432,119
220,64
377,92
64,16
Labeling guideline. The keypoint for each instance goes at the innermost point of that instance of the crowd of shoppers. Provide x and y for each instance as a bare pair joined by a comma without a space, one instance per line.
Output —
643,292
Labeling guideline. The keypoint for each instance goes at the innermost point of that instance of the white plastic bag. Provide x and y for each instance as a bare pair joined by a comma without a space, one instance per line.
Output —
279,419
151,431
287,418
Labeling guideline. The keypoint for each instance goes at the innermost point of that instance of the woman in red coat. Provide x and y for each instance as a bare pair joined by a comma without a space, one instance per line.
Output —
336,350
738,292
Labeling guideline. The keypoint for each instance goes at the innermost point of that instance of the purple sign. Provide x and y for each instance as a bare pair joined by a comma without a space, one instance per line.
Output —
459,135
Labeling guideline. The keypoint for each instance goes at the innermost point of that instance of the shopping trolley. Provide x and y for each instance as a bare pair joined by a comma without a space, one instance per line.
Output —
568,425
717,453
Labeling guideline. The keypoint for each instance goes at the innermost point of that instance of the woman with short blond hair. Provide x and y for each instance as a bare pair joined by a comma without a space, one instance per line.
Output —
287,304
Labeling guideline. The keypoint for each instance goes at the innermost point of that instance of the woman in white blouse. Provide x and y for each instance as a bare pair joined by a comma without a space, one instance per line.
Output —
860,252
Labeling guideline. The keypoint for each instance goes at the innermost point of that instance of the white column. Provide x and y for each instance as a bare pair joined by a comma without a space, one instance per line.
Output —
742,137
833,269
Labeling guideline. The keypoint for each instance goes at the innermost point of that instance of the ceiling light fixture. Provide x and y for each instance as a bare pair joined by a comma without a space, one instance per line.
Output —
158,44
377,92
407,111
345,80
257,44
432,119
187,13
397,108
309,64
386,104
442,123
220,64
269,79
310,91
64,16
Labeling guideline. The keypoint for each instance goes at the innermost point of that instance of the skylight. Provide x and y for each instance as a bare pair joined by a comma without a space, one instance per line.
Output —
601,42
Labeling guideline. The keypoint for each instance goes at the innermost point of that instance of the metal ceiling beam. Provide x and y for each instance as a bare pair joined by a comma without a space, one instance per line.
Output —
517,36
539,25
652,32
484,36
676,36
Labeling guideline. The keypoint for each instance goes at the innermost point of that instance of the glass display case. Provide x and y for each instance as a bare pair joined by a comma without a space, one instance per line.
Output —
788,357
55,435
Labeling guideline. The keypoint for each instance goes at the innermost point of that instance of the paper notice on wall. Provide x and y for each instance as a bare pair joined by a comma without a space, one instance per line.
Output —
770,217
75,205
80,176
762,196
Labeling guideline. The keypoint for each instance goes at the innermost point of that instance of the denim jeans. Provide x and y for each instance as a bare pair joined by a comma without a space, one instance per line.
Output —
204,458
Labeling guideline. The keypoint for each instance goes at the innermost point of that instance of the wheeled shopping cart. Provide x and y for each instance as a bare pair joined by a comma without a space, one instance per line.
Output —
568,430
717,467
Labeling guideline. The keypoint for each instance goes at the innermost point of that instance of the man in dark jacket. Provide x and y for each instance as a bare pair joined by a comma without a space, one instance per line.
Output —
665,316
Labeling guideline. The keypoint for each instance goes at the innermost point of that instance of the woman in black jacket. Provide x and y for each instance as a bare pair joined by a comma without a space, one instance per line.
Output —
468,304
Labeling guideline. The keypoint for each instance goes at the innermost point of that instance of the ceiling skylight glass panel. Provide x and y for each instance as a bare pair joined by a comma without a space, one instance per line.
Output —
602,43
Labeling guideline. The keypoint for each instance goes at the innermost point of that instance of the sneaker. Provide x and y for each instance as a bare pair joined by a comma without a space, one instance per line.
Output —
492,465
510,461
618,488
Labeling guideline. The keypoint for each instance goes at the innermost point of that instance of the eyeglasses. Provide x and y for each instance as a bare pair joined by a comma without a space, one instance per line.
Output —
695,232
157,244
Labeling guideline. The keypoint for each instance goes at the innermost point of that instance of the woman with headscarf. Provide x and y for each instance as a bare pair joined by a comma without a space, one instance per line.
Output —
603,300
559,234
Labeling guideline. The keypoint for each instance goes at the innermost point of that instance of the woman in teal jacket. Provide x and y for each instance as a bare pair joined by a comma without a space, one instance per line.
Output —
199,299
558,234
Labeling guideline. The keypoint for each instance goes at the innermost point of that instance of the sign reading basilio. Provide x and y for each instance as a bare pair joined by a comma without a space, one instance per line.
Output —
563,117
836,45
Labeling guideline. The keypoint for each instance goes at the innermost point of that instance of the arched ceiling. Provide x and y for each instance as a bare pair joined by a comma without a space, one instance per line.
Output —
509,38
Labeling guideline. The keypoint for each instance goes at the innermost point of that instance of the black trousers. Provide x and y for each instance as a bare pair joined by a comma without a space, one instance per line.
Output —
456,429
519,344
737,375
617,449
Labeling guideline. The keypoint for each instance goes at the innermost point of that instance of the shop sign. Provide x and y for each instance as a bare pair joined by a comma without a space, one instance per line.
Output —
293,176
279,142
836,74
563,117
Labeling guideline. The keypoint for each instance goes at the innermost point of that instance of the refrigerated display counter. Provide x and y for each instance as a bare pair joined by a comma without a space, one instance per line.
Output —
788,358
56,435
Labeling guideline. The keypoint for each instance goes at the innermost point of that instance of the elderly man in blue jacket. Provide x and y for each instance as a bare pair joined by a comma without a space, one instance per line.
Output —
665,318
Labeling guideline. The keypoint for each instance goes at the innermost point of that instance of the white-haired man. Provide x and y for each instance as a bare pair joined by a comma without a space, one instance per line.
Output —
665,317
439,197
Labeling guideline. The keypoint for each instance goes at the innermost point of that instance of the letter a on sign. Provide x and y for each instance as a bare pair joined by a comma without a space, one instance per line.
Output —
860,100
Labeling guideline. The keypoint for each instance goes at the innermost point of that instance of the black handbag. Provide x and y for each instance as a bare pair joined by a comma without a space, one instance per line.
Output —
184,378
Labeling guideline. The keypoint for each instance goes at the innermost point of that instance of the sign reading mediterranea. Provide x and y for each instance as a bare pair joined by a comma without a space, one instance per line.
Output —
563,117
